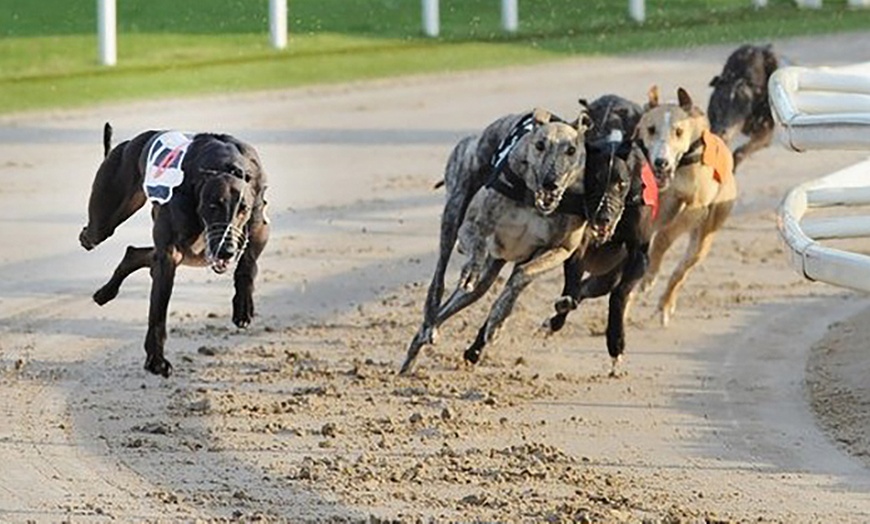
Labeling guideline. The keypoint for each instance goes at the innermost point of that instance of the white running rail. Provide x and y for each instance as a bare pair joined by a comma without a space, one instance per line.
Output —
825,108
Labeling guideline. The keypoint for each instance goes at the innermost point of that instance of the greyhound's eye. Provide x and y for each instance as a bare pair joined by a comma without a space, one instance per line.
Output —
571,150
213,206
679,132
539,145
651,130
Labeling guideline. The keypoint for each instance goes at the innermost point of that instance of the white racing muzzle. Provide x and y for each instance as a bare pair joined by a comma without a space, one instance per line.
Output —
224,245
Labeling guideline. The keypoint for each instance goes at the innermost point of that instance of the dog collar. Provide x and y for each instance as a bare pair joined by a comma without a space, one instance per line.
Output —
511,185
693,155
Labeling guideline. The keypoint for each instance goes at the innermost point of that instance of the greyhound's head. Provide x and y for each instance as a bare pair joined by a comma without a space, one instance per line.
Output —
669,131
554,156
607,181
740,89
225,203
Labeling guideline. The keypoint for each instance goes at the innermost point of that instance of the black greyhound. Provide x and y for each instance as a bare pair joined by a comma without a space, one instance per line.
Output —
739,102
621,227
212,214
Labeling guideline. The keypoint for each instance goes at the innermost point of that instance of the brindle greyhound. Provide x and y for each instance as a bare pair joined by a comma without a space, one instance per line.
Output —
515,218
694,171
214,216
619,229
739,102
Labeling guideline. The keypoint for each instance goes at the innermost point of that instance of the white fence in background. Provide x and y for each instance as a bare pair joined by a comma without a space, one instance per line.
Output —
825,109
107,24
107,32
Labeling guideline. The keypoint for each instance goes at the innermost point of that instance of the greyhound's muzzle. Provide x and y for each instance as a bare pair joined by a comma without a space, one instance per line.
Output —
224,246
546,201
602,230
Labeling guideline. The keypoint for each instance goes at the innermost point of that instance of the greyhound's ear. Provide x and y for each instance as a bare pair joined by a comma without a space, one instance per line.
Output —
541,116
653,96
715,81
685,100
583,122
584,104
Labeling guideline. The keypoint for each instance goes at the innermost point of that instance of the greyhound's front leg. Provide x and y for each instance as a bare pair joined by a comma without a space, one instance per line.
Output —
758,140
573,274
246,272
632,271
520,278
459,300
162,277
135,258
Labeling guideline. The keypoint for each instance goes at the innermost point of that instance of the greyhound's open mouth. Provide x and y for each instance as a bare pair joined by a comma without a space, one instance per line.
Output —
663,177
221,265
602,233
548,201
224,239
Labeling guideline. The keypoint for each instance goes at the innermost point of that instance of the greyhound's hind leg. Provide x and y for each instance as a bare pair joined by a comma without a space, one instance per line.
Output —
459,300
573,274
134,259
116,193
451,219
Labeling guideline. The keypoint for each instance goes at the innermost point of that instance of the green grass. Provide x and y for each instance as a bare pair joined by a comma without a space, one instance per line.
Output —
48,55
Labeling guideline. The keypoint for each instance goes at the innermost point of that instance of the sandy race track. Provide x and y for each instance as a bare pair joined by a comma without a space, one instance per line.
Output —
302,417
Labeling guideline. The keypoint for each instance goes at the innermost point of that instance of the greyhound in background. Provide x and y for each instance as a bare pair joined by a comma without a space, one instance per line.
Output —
739,102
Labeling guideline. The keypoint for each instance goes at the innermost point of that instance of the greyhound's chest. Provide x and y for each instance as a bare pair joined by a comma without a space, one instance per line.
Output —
520,231
696,186
193,254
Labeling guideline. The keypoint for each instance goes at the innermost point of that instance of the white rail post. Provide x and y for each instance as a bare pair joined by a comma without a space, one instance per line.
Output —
637,10
811,4
107,32
859,3
430,18
759,3
278,23
510,18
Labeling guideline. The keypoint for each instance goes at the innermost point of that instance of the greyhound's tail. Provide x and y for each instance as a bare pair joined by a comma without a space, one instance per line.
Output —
438,184
107,139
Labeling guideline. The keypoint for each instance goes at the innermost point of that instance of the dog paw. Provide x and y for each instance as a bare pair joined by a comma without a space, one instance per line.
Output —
159,366
85,240
565,305
105,294
665,318
469,277
667,311
614,368
554,324
243,311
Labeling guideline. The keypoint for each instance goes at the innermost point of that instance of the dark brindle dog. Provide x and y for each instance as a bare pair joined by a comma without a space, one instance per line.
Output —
739,102
212,213
620,228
